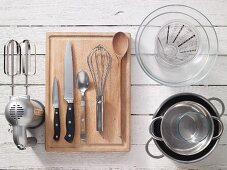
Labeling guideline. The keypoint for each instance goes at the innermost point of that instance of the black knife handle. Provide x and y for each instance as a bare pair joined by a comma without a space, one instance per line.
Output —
70,123
56,124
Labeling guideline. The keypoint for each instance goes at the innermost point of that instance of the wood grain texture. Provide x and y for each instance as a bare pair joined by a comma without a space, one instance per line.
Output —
110,12
139,130
37,157
31,20
116,134
38,34
144,99
217,75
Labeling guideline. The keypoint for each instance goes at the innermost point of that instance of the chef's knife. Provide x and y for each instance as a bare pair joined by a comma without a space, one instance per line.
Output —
56,110
68,93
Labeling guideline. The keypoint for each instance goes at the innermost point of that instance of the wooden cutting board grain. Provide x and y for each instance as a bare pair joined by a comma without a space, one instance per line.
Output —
116,134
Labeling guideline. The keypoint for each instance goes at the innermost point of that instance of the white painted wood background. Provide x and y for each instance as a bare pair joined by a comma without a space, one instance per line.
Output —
32,19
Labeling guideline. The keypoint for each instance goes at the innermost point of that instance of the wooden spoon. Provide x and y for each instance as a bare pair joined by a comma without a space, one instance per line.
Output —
120,45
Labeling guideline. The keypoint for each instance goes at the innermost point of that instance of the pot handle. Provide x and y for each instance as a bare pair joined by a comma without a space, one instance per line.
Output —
148,151
151,130
221,102
221,127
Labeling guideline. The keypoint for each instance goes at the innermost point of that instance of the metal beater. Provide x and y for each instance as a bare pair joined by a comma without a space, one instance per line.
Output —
99,62
12,61
27,61
21,112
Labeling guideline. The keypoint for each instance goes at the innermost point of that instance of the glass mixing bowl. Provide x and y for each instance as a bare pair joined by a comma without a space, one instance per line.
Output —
176,45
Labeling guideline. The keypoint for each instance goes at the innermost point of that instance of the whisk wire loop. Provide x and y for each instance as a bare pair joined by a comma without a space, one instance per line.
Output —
99,61
12,65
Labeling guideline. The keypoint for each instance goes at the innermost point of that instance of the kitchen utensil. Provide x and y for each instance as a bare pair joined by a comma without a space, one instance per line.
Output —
12,61
177,43
116,134
186,127
28,62
120,44
83,85
69,93
99,62
55,103
21,112
171,41
165,149
120,47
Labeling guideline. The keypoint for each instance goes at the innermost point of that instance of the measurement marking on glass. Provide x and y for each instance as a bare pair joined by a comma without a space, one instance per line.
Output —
160,43
167,35
178,33
187,51
186,40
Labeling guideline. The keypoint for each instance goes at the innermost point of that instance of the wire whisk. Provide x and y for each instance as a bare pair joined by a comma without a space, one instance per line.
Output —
99,61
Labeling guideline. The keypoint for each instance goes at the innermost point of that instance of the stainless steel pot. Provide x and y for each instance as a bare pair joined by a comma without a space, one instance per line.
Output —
186,128
218,128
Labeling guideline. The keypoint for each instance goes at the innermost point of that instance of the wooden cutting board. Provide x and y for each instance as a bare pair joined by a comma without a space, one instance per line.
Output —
117,100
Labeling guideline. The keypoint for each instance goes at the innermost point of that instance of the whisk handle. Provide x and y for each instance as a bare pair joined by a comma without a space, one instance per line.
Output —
99,114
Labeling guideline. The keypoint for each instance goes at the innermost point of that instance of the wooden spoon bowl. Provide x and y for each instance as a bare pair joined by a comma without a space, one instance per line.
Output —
120,44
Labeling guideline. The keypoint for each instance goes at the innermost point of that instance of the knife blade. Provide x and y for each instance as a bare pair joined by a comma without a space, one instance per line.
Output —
55,103
68,93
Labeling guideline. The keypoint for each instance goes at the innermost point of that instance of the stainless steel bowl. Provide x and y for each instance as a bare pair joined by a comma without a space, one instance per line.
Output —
186,128
157,131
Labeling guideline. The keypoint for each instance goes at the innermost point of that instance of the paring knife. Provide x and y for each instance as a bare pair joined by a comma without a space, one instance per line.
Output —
68,93
56,110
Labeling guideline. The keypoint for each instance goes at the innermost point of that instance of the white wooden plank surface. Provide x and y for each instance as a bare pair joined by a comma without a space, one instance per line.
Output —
38,34
110,12
145,99
32,19
36,157
140,134
217,76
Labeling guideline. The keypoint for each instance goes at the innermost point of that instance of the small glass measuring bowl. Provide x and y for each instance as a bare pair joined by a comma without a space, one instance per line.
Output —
177,43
